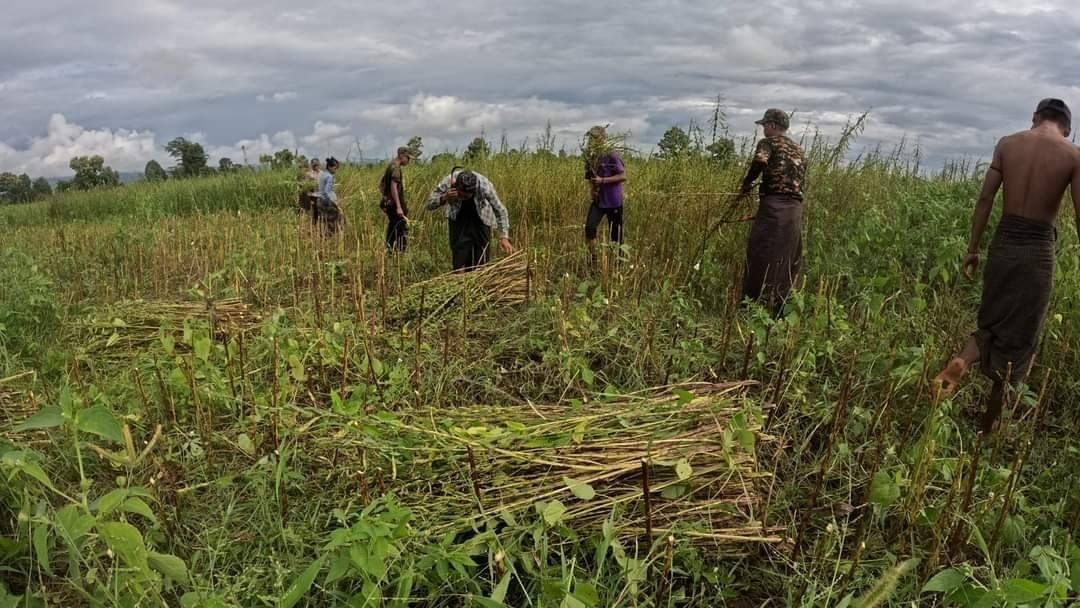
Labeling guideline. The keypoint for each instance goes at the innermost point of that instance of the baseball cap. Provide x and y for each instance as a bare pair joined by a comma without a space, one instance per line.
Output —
775,115
1052,103
405,150
466,181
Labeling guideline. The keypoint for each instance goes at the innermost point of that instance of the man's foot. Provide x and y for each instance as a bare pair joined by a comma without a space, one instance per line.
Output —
944,385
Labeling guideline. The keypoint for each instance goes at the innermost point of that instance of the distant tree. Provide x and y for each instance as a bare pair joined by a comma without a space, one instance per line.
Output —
154,172
15,188
191,159
91,172
722,150
443,158
225,165
478,149
42,189
282,159
674,144
416,146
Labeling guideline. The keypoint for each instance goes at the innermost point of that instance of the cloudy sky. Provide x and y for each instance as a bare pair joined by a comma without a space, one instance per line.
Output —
120,78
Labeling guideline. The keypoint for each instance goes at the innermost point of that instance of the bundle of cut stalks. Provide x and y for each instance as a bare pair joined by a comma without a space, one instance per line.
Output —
581,466
133,324
504,282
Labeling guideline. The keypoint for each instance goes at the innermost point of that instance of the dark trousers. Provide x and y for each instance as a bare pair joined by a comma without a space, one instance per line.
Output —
397,231
469,244
774,250
615,222
327,219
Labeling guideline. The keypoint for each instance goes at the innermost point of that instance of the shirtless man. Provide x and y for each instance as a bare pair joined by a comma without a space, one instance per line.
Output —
1035,167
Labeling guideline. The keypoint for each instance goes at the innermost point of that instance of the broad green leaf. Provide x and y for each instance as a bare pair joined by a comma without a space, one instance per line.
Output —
747,440
944,581
569,601
1075,567
41,546
297,368
554,512
245,444
586,594
34,470
299,588
684,396
101,422
139,507
46,418
683,469
74,523
171,566
498,594
202,349
113,339
126,541
883,491
370,596
580,489
109,502
675,491
338,569
1023,591
587,376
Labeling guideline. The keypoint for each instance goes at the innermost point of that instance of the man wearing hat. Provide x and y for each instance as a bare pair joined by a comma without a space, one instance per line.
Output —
1035,167
774,249
473,208
392,189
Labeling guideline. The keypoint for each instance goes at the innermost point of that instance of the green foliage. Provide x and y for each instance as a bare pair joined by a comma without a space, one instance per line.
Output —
91,173
477,150
674,144
29,310
154,172
191,159
280,160
415,146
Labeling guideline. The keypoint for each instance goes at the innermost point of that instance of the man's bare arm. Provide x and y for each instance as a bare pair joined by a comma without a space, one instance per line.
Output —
985,204
1075,191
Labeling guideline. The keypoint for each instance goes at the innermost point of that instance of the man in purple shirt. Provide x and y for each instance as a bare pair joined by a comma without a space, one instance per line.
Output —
604,169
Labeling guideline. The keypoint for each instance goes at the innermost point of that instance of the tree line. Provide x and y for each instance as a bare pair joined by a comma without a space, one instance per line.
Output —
191,160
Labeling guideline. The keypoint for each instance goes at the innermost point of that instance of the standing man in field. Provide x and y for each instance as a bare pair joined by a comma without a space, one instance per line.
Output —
606,174
392,188
473,208
1035,167
329,210
774,250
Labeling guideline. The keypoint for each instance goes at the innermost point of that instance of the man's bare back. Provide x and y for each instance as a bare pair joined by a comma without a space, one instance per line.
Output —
1036,167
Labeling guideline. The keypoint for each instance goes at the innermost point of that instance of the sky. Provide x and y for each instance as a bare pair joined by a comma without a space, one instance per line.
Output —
121,78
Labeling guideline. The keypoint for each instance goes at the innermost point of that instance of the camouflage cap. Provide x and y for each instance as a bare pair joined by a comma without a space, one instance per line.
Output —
405,151
778,117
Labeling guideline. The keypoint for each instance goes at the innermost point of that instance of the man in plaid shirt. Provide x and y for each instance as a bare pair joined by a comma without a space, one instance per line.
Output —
473,208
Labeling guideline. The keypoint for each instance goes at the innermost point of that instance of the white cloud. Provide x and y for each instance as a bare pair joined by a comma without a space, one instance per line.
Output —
129,150
276,97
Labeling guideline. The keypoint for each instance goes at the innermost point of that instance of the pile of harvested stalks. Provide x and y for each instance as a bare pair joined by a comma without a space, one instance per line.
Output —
132,325
506,281
654,465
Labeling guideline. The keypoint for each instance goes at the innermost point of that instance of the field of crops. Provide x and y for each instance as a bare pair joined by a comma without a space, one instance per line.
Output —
201,404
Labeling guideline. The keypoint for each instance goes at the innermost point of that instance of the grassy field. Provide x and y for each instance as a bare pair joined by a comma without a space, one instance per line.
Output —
203,405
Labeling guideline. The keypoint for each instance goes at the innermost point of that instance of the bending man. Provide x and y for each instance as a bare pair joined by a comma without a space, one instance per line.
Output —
473,208
1035,167
606,173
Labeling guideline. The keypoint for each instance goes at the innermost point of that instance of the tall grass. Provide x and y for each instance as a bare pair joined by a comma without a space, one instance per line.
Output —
297,465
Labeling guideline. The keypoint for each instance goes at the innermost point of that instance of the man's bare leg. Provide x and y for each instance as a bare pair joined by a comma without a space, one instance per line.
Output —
948,380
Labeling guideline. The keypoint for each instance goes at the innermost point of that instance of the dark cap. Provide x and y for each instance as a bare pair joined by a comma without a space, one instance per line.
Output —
466,181
404,150
1057,105
773,115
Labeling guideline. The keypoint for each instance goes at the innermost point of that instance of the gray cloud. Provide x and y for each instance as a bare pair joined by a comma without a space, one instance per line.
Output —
127,77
